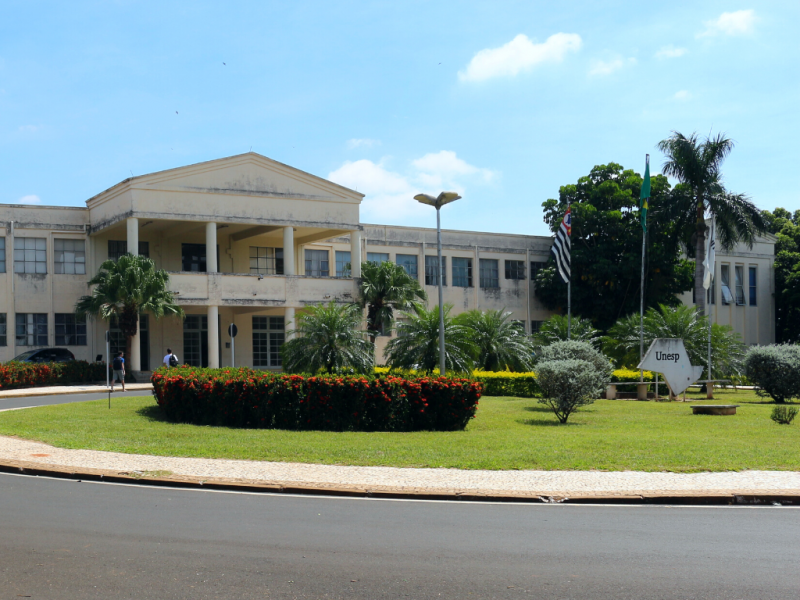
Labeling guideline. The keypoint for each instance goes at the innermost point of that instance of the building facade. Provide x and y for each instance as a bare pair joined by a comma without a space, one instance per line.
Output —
250,241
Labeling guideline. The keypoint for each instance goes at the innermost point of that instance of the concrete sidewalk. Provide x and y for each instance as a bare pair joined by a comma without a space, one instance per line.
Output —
55,390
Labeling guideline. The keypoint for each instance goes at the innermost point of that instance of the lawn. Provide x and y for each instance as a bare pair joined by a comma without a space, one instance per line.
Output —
508,433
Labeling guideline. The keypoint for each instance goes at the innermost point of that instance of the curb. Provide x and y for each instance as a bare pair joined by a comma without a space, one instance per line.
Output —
191,482
26,392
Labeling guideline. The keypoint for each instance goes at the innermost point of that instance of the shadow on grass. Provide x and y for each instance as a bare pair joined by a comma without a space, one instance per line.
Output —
153,413
544,422
538,409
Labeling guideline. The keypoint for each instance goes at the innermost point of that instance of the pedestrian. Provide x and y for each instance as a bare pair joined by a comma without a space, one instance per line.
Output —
170,360
118,364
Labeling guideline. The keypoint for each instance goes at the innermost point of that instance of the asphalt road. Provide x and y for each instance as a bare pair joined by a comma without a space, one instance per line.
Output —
65,539
26,401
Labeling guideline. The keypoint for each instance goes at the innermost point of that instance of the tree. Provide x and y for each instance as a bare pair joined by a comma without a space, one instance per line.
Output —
607,247
569,384
557,329
417,343
501,343
696,164
126,288
330,337
786,227
775,371
384,288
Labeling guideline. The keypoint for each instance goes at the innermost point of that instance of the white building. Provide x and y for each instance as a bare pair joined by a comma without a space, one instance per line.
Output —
282,240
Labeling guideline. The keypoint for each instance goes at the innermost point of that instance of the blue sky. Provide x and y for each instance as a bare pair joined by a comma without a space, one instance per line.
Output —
501,101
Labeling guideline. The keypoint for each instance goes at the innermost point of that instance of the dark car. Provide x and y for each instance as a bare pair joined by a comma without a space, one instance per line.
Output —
46,355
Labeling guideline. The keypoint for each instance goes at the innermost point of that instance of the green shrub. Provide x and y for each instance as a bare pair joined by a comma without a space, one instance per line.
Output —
569,384
577,351
24,374
775,371
783,415
507,383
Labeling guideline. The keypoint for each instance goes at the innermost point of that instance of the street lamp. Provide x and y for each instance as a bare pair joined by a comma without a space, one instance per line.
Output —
439,202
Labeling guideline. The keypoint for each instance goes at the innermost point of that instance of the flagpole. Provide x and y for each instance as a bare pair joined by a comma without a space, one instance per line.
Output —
709,385
643,210
569,282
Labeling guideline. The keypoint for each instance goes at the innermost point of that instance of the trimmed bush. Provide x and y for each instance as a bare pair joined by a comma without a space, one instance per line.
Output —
257,399
507,383
577,351
775,371
569,384
23,374
783,415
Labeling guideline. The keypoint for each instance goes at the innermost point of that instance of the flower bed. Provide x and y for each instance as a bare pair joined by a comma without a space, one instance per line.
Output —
22,374
256,399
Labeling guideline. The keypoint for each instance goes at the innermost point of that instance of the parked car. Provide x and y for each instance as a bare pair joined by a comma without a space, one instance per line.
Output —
45,355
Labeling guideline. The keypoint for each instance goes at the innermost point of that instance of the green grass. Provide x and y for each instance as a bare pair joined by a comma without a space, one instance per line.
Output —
508,433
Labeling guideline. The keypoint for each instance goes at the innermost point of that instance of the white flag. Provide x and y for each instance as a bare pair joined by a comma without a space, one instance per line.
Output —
711,252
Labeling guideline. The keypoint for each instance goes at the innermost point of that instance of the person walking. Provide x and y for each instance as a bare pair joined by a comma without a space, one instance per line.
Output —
118,365
170,360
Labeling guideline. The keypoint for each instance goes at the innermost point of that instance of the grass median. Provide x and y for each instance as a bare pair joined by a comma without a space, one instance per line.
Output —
508,433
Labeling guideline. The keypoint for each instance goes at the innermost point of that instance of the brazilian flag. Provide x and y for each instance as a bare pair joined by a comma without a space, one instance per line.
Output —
645,194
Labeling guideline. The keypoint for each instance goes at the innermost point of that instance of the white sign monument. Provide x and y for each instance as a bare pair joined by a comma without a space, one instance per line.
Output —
668,356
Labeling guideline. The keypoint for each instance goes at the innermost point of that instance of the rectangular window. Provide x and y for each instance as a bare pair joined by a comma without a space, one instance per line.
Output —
432,270
266,261
3,330
535,326
193,258
317,264
536,267
343,263
462,272
377,257
30,255
739,285
195,340
515,269
2,255
409,264
489,273
117,248
70,330
31,329
70,257
725,283
268,337
753,279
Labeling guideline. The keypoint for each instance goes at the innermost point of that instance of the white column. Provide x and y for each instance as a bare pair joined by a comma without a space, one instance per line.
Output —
211,247
355,254
135,359
213,334
288,251
289,323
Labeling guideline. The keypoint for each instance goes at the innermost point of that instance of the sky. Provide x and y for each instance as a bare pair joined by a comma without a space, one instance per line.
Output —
503,102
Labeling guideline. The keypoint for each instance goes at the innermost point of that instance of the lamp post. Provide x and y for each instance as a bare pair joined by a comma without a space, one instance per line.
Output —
437,203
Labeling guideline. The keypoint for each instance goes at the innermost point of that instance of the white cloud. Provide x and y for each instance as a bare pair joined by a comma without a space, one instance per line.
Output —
670,52
606,67
740,22
362,143
30,128
389,195
30,199
682,95
520,54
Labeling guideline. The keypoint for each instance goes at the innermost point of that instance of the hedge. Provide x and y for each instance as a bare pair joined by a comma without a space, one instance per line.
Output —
507,383
22,374
244,397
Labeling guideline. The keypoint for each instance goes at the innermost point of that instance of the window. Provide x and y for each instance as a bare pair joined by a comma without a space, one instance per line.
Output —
536,267
725,285
195,340
31,329
739,270
462,272
193,258
343,263
3,330
317,263
30,255
70,257
70,330
409,264
489,273
753,278
432,270
377,257
117,248
268,337
536,326
2,255
515,269
266,261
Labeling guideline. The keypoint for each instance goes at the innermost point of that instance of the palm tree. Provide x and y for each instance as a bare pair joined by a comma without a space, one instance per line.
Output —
696,164
328,336
126,288
501,343
384,288
556,328
417,343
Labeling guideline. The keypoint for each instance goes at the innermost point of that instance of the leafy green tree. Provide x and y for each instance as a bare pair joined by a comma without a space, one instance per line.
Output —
607,247
557,328
417,343
126,288
384,288
727,348
330,337
697,165
501,343
569,384
786,227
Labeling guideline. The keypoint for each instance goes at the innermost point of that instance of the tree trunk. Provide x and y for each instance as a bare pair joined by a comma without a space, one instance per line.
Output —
699,257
